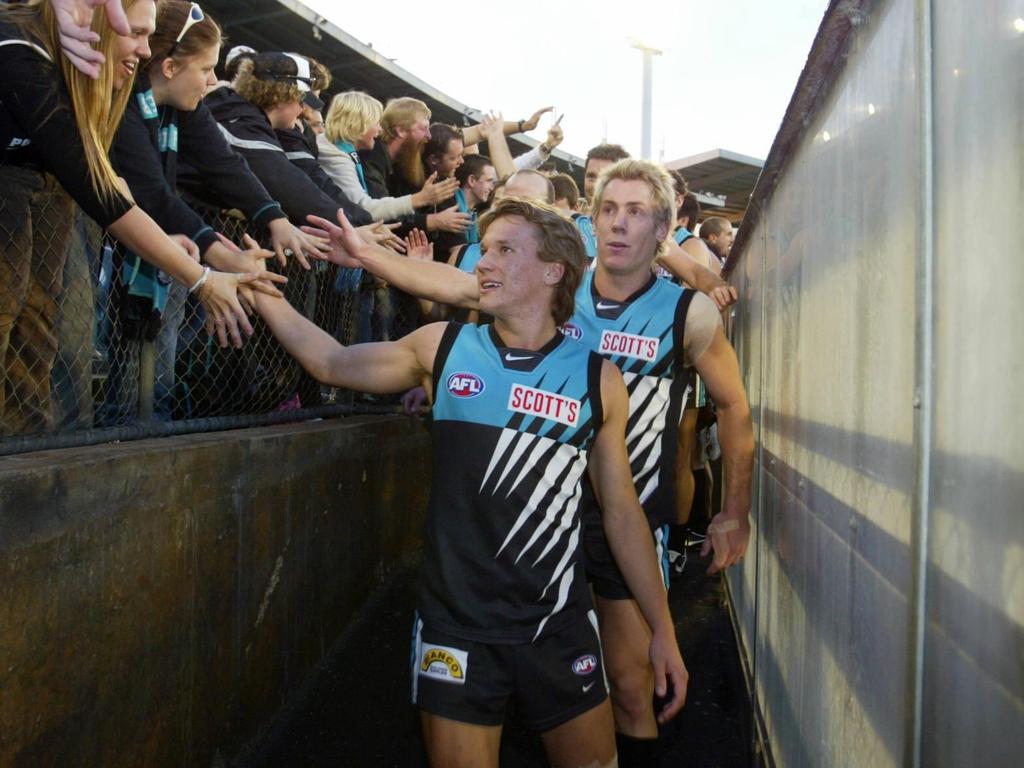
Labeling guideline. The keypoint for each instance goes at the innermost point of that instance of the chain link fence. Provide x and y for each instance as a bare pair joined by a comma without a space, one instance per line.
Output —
98,346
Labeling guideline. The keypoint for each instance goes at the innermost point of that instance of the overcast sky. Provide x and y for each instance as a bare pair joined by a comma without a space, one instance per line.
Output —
726,75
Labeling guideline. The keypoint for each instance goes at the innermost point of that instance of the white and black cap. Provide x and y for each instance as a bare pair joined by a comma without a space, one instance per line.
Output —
275,65
237,51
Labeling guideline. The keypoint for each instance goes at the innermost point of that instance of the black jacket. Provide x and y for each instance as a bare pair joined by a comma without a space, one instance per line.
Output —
249,133
296,146
377,169
38,129
146,151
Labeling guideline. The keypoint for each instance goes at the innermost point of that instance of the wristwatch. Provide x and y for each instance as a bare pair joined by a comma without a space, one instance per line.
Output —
545,149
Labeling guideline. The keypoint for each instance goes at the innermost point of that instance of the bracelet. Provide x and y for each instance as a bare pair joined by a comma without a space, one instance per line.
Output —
199,283
520,126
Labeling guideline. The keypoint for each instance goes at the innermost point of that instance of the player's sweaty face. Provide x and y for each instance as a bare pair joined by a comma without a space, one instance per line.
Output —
509,272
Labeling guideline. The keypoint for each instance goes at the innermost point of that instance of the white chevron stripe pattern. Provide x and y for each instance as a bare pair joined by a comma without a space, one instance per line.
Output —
543,444
567,515
565,455
507,436
564,562
563,594
651,395
557,516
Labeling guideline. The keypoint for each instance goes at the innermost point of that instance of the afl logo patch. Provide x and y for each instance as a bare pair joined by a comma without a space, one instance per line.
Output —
572,331
584,665
465,384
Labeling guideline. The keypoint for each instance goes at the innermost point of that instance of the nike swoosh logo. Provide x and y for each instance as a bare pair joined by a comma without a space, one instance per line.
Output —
516,358
602,305
589,685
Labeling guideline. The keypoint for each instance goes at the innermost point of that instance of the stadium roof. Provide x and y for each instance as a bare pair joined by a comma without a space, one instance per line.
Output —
289,25
722,180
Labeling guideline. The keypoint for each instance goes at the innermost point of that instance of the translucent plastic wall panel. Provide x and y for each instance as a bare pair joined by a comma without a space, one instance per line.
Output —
838,414
746,335
974,687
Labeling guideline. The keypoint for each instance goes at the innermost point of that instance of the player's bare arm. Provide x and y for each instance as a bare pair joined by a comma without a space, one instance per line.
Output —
688,268
729,531
629,537
391,366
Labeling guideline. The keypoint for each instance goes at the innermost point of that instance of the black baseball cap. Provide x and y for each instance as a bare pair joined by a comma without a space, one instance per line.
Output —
276,65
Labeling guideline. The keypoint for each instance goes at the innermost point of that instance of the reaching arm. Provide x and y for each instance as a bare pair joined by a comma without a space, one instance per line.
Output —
423,279
472,134
389,366
688,268
497,146
629,537
729,529
537,156
216,290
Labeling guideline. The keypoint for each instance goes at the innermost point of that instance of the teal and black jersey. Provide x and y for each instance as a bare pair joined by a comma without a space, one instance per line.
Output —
473,233
585,225
681,235
643,336
467,257
511,433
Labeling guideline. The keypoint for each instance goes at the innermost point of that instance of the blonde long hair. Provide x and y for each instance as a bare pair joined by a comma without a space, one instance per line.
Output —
97,109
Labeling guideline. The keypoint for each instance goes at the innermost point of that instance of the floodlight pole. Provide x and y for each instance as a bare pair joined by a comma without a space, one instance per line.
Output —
645,127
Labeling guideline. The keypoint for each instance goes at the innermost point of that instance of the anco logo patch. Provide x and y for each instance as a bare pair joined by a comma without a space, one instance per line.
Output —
465,384
629,345
574,332
547,405
584,665
445,664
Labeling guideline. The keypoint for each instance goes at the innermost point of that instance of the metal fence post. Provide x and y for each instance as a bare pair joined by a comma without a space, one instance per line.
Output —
923,396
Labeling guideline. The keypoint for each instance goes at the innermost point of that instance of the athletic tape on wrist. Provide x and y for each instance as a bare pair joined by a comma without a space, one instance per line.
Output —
724,526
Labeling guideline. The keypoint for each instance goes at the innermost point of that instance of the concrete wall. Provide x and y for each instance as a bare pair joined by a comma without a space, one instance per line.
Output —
160,599
879,336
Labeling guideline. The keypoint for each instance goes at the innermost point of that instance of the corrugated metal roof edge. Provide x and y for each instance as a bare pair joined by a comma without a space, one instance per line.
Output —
714,154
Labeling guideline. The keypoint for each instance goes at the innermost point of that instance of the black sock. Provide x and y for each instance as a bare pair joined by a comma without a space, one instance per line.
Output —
636,753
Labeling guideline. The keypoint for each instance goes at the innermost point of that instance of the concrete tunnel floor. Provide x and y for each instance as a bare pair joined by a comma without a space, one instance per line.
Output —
356,711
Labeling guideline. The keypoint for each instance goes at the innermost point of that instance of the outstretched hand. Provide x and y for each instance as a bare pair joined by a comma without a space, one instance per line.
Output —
343,239
383,235
222,295
492,125
530,123
434,191
74,20
287,241
453,220
419,247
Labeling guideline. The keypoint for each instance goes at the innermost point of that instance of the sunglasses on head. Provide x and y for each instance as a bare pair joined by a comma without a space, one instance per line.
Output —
195,15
